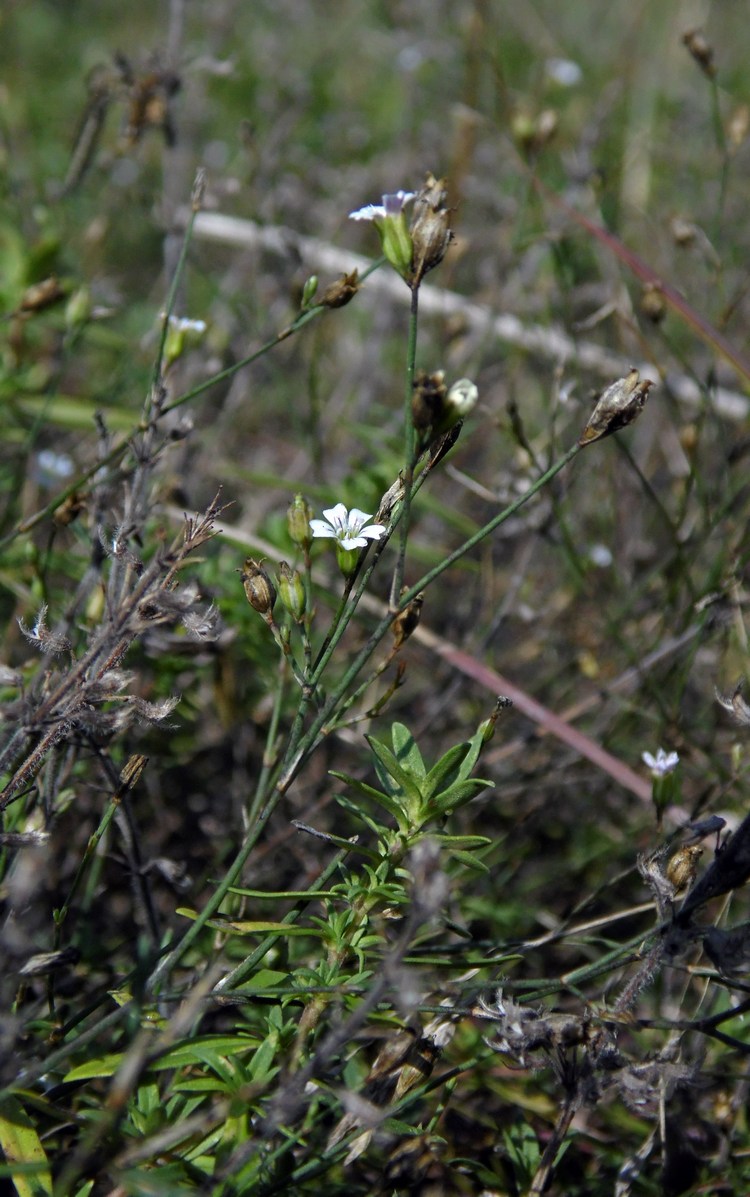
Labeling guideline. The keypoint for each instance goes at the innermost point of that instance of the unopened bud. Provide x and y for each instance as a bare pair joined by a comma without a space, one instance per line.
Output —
460,400
532,132
308,292
338,294
298,516
199,189
182,334
292,591
430,230
487,727
78,308
618,405
259,589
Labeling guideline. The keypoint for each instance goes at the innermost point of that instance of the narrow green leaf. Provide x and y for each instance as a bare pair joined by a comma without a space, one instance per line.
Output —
182,1055
21,1145
471,862
446,771
406,750
404,780
385,800
458,795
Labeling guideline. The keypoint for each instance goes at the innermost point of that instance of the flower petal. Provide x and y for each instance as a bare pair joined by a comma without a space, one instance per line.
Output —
321,528
337,516
372,531
357,518
369,212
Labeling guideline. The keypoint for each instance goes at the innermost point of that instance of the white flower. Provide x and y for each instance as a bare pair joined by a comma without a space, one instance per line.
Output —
349,528
392,205
185,325
661,764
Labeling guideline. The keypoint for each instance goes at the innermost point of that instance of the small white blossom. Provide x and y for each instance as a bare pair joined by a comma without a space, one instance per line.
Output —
563,71
185,325
661,764
349,528
392,205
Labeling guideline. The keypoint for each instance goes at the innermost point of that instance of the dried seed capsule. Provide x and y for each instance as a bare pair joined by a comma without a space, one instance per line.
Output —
260,590
338,294
683,866
430,231
617,406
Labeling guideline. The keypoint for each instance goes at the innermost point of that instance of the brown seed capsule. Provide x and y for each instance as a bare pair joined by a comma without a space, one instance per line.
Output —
617,406
338,294
430,232
700,50
42,295
652,303
260,590
407,620
683,866
428,399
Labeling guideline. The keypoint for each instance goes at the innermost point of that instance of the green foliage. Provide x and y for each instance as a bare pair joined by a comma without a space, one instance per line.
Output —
221,972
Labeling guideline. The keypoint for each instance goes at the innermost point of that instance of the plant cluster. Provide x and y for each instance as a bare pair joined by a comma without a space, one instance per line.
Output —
277,909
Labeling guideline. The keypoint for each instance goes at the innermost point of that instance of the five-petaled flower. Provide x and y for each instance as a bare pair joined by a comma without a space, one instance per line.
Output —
662,764
349,529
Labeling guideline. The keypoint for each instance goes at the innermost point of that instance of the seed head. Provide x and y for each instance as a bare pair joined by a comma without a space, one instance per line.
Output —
617,406
430,231
259,589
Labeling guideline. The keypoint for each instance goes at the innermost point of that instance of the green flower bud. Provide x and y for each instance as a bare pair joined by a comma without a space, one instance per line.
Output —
298,516
292,591
78,308
308,292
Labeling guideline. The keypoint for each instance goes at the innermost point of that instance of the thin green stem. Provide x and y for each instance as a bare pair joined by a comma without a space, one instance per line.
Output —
156,376
409,443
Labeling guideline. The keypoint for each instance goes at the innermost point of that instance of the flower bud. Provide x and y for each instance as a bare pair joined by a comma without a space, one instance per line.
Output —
259,589
460,400
292,591
430,231
182,334
78,308
308,292
298,516
341,292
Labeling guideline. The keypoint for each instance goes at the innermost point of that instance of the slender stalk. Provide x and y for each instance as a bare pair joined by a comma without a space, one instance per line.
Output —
409,442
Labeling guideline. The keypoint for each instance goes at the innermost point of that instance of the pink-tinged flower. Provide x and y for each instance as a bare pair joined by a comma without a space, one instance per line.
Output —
662,764
392,205
390,221
349,529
